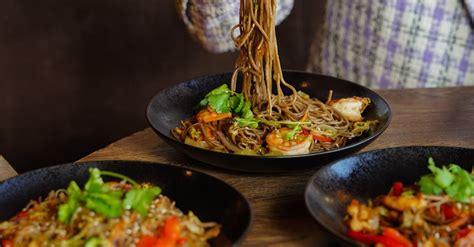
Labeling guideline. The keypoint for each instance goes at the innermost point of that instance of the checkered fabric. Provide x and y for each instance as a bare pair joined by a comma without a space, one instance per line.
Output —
210,21
398,43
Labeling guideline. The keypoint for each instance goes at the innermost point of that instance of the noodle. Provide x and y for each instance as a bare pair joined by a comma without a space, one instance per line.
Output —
260,69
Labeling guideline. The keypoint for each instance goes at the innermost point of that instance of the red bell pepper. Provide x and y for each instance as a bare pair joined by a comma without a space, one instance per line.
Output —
21,215
397,189
448,211
147,241
367,238
169,237
397,236
389,238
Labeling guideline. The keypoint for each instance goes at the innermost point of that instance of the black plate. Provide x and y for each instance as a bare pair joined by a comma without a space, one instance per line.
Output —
367,175
179,102
209,198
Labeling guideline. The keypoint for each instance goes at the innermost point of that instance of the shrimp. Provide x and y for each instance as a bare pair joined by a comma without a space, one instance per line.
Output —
298,145
350,108
208,115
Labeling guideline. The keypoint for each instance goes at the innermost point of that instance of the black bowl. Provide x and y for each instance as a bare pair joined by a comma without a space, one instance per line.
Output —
179,102
209,198
367,175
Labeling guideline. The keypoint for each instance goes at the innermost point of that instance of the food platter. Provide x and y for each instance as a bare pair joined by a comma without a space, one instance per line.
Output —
207,197
171,105
366,175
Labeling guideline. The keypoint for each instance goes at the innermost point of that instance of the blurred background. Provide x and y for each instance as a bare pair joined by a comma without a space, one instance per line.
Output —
78,75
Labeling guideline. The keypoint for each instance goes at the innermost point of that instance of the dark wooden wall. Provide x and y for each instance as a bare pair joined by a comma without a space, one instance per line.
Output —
76,75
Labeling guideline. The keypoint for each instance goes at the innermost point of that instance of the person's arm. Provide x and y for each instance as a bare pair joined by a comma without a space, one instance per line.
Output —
210,24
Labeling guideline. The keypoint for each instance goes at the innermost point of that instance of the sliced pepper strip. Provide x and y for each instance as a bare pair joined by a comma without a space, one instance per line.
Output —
170,235
397,236
372,239
390,238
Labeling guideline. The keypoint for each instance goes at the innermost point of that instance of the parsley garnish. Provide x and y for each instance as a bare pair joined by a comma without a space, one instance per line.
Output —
101,198
456,182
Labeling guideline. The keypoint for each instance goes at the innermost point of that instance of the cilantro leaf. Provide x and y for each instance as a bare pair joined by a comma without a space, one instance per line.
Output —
106,204
462,188
222,89
203,102
139,199
219,102
456,182
95,182
67,210
246,111
428,186
442,176
101,198
237,103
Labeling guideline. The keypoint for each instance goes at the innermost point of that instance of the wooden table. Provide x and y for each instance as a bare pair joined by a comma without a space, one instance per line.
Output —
420,117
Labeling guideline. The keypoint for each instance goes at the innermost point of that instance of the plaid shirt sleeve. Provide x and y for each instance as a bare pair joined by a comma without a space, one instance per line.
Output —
398,43
210,22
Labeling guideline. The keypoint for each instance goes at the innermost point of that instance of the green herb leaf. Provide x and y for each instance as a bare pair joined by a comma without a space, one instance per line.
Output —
95,182
139,199
456,182
218,99
428,186
219,102
246,111
291,134
442,176
67,210
103,199
222,89
462,188
107,204
237,103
